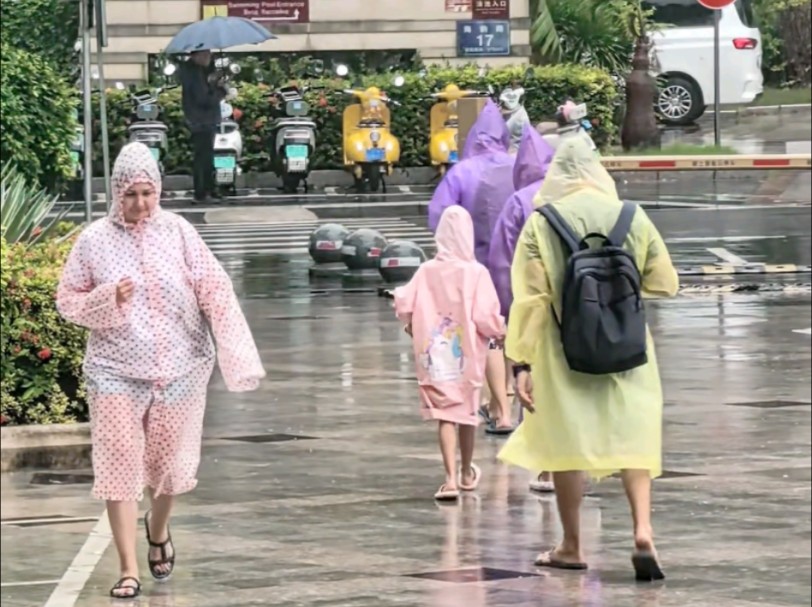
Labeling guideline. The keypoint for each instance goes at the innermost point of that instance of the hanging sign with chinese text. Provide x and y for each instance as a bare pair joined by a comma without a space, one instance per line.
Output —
491,9
266,12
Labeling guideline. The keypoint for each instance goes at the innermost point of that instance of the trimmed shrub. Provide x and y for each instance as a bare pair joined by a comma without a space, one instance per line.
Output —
410,122
41,353
38,117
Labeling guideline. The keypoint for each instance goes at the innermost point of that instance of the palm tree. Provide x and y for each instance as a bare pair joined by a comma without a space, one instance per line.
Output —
606,34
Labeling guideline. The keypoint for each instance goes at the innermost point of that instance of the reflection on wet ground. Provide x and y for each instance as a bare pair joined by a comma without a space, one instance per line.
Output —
317,489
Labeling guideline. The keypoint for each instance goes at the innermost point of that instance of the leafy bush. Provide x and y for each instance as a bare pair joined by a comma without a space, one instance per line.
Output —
47,28
785,30
24,210
38,116
410,122
41,353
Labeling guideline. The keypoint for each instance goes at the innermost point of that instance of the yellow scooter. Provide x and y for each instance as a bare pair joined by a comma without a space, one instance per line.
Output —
444,127
370,148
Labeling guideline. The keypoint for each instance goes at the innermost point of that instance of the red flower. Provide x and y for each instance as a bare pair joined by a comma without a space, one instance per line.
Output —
37,231
17,349
3,420
237,113
26,303
322,101
44,354
331,109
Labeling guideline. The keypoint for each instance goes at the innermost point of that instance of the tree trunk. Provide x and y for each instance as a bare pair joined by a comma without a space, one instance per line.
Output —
640,123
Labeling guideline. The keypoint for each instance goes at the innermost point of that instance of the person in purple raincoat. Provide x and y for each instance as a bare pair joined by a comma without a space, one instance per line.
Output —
532,161
481,183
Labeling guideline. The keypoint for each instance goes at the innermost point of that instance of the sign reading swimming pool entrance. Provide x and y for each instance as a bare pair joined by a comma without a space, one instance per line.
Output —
266,12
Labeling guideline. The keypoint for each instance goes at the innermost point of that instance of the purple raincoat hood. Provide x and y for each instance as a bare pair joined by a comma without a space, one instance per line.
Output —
488,134
532,160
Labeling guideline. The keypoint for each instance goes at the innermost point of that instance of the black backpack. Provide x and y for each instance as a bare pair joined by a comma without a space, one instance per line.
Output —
603,319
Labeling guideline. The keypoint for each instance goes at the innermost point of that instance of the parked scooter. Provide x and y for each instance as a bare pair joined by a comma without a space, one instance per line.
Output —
572,121
293,137
77,159
147,128
443,147
370,148
228,143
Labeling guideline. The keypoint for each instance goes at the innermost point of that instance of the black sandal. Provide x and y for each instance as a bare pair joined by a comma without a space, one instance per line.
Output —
164,560
119,585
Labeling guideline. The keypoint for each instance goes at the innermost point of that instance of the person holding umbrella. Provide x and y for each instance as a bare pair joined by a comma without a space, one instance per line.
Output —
202,91
204,88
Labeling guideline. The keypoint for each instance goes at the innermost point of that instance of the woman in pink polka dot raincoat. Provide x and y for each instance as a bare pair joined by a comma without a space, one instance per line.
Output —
153,296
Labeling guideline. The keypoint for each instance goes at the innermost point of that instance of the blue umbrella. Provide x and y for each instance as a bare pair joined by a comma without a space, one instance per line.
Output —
217,33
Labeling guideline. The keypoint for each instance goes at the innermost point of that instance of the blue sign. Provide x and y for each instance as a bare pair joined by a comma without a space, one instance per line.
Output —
483,38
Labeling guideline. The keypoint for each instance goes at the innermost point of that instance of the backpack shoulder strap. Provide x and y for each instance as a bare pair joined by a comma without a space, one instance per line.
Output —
560,226
624,223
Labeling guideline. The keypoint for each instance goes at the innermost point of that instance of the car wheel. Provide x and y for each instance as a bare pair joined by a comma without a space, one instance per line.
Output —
680,101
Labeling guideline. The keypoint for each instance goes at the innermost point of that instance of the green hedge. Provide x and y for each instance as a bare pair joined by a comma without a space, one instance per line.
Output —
410,122
41,353
38,116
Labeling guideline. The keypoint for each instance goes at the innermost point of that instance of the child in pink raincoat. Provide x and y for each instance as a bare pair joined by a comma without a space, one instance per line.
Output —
153,296
451,310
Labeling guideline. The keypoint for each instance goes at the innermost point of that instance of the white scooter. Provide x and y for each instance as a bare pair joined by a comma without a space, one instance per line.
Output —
573,122
228,144
227,149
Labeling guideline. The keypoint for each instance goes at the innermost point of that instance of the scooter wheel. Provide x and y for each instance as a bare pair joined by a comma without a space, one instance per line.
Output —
290,184
374,176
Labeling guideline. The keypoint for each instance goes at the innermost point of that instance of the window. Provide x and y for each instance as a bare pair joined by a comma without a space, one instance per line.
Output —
680,13
745,10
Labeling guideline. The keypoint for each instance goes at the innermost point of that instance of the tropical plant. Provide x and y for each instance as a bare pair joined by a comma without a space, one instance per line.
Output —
25,210
590,32
785,30
640,130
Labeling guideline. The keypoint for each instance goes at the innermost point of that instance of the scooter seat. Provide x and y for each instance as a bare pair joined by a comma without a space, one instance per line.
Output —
372,123
148,126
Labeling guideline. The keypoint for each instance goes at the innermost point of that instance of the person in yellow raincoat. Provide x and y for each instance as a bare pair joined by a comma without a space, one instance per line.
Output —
578,423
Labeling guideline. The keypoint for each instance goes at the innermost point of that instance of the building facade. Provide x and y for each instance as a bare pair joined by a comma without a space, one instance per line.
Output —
140,28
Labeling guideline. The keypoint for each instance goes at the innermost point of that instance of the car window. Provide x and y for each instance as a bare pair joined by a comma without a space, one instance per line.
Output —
745,10
679,13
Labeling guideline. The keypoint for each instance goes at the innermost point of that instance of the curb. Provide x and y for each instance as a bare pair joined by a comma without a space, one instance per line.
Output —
54,446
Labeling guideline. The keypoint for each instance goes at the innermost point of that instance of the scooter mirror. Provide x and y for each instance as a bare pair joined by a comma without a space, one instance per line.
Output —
481,72
120,86
317,66
398,81
342,70
78,46
169,69
232,93
234,68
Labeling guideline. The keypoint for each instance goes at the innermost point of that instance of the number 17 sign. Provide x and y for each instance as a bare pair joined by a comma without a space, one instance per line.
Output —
483,38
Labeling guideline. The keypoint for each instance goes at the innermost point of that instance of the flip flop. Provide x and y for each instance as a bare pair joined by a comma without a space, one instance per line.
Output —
484,413
540,486
477,476
546,559
646,567
494,430
444,495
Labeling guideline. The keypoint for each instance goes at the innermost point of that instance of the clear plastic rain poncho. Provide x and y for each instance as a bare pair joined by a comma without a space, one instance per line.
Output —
599,424
482,181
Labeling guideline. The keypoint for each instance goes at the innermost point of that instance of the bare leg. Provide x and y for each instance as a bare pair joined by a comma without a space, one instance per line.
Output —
467,440
448,447
638,491
159,529
568,494
509,389
496,376
124,523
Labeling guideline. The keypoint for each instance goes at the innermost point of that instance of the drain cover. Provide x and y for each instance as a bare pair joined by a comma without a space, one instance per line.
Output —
60,478
771,404
268,438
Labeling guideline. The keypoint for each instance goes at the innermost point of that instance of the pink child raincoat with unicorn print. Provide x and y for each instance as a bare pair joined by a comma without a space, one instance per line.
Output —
452,307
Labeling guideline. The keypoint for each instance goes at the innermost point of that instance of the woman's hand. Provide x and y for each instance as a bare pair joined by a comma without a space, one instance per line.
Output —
124,291
524,390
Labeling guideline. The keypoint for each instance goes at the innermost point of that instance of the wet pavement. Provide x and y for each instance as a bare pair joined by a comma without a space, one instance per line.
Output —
316,490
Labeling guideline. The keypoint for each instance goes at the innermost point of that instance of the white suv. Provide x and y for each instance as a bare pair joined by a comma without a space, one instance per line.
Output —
684,54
